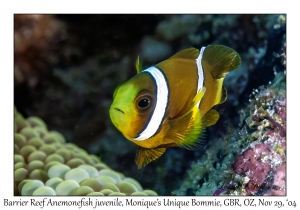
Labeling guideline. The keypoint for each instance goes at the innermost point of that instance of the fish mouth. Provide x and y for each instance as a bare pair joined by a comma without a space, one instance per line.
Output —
117,116
119,110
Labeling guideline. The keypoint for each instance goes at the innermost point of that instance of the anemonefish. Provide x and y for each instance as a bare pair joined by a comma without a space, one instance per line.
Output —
169,104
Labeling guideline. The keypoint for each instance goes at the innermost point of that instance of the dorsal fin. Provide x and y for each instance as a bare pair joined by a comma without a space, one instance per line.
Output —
220,60
189,53
138,65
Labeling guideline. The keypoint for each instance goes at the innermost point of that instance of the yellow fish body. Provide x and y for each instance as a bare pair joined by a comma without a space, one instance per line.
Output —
169,104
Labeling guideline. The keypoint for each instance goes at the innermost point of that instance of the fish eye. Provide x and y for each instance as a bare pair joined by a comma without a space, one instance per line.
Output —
143,103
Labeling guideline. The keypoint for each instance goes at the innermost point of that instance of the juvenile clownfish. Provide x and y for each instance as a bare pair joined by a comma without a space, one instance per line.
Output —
169,104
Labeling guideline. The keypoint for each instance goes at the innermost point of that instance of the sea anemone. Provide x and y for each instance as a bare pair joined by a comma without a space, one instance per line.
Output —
46,165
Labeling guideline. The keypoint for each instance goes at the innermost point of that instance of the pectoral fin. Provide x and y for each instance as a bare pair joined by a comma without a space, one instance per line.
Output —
186,130
145,156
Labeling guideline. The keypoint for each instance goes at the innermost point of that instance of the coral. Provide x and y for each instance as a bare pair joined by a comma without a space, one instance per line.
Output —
36,40
206,174
46,165
263,162
251,161
177,26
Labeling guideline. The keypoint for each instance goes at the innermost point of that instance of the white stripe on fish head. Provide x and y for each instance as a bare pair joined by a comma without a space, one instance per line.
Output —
162,95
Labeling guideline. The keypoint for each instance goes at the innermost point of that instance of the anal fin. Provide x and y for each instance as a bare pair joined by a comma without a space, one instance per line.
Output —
210,118
145,156
224,95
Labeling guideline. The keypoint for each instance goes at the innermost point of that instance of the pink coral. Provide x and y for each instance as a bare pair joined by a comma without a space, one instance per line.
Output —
260,169
251,163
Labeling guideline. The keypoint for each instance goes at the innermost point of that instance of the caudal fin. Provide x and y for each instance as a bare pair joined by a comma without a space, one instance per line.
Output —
217,61
220,60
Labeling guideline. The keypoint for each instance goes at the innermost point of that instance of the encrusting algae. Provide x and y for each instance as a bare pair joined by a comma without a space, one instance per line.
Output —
252,160
44,164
